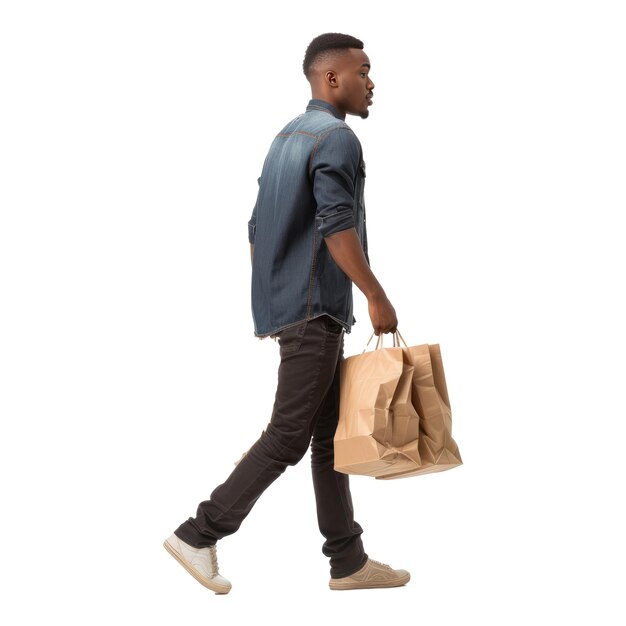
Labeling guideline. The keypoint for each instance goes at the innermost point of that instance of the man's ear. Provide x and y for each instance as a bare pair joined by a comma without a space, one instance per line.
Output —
331,78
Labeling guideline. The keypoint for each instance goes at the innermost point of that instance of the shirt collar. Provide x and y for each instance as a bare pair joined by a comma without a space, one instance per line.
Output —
322,105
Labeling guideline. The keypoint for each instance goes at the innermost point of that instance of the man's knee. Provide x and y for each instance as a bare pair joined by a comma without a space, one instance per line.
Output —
286,448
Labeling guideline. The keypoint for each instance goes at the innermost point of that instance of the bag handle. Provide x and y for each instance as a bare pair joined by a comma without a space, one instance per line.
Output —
397,338
379,342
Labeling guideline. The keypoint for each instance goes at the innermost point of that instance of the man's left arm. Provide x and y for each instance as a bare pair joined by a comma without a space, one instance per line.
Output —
334,168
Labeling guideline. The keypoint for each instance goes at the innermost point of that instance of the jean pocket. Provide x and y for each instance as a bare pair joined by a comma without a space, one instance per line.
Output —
290,339
333,326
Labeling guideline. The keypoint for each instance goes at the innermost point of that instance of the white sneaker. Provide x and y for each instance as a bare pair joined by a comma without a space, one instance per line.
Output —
201,563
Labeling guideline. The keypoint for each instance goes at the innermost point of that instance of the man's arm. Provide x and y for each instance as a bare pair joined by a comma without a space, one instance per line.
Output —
251,251
345,248
334,167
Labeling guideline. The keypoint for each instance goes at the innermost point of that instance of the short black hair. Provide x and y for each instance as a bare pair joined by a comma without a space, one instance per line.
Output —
324,43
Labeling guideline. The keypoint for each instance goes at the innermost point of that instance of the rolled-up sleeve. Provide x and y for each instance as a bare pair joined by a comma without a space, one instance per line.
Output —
334,164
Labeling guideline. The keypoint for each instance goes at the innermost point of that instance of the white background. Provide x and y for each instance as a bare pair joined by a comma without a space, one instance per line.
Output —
132,135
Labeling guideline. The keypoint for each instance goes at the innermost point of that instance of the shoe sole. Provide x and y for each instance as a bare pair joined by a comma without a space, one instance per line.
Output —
203,580
336,585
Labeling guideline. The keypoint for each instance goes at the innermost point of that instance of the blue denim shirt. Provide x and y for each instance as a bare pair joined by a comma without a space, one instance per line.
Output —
311,186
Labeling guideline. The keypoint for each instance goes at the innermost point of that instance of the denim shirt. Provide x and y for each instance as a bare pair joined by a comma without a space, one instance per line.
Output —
311,186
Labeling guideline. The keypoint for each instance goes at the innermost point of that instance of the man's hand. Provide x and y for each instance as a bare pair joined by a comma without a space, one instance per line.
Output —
382,314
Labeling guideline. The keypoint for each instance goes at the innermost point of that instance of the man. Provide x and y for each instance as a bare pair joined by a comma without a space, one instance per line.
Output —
308,245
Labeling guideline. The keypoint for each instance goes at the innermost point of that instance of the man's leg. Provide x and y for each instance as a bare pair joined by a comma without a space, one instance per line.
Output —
309,356
335,513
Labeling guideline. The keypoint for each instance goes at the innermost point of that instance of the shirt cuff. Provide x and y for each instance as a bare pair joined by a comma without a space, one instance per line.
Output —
330,224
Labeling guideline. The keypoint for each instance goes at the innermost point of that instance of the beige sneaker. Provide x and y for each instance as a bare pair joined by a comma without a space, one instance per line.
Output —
201,563
373,575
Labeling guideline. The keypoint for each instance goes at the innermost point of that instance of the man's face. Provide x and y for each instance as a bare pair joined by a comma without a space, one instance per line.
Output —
355,87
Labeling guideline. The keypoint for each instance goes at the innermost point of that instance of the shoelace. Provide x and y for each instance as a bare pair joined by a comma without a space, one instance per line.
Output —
214,565
379,563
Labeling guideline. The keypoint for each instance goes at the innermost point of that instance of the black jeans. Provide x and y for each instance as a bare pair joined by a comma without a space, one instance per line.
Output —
306,406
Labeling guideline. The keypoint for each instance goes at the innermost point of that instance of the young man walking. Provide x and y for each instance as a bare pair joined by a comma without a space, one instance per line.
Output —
308,245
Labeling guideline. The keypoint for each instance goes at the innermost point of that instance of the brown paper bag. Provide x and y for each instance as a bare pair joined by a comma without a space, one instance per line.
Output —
438,450
378,425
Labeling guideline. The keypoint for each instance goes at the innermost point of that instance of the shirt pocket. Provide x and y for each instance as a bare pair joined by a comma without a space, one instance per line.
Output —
360,193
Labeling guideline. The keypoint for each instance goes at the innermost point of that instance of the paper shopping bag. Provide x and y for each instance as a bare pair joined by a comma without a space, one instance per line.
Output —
437,449
378,425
